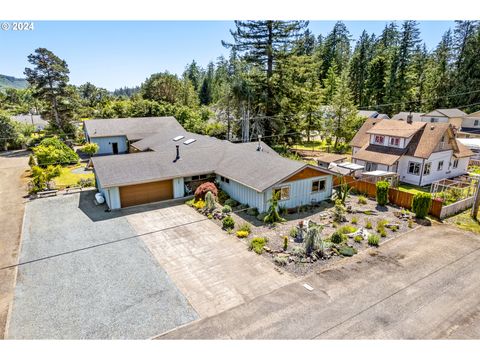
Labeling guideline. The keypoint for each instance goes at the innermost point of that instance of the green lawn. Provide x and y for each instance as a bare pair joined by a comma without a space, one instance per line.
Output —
67,178
413,189
311,145
465,222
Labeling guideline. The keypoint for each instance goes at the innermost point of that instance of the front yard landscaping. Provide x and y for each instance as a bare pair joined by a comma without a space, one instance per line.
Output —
72,175
312,235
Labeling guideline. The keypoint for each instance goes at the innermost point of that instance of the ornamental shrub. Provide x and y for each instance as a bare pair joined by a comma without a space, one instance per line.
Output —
242,234
347,251
421,204
210,201
373,240
226,209
280,260
90,149
202,190
257,244
53,151
362,200
228,223
347,229
337,237
222,197
245,227
382,192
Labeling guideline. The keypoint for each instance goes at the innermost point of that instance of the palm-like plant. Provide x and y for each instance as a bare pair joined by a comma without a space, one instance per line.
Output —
272,214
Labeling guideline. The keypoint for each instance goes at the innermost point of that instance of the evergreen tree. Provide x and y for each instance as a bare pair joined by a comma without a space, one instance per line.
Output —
438,75
335,49
345,121
330,84
49,80
359,68
399,83
194,73
262,44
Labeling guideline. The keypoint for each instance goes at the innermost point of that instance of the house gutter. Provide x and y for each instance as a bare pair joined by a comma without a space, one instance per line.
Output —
421,173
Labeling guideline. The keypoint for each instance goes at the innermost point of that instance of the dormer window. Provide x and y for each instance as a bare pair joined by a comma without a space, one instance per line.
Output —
379,139
394,141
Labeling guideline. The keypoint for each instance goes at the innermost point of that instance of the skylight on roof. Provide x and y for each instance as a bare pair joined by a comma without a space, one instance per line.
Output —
179,137
189,141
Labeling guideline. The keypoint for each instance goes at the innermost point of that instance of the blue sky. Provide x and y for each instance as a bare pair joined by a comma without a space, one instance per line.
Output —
113,54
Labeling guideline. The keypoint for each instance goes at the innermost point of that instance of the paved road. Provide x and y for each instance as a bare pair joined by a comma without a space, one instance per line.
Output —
114,291
12,190
213,270
423,285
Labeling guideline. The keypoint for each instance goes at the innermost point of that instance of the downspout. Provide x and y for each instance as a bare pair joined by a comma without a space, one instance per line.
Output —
421,173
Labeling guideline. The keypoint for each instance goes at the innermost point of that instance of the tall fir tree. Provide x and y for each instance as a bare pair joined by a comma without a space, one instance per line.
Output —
263,43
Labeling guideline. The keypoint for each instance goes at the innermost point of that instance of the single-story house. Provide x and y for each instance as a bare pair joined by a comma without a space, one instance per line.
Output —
36,120
170,165
114,136
324,160
471,124
415,116
372,114
419,152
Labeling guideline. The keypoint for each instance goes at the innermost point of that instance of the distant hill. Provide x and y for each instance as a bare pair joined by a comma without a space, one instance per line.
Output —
12,82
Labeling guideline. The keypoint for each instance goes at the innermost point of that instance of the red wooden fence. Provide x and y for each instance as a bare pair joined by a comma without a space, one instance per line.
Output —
398,197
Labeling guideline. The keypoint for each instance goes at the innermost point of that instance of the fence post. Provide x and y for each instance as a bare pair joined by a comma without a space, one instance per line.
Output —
476,202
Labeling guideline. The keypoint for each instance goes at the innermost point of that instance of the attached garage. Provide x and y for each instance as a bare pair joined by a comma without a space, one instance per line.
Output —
146,193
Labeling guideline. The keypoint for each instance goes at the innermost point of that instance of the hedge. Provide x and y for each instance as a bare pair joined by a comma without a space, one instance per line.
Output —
421,204
382,192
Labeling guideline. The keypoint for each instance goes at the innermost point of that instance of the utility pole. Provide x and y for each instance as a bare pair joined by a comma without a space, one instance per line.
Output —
476,202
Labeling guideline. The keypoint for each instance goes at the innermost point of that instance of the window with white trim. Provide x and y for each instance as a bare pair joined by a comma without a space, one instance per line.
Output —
395,141
455,163
379,139
318,186
414,168
440,166
475,123
427,168
284,192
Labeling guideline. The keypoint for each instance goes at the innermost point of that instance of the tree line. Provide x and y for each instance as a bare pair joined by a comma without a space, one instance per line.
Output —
279,80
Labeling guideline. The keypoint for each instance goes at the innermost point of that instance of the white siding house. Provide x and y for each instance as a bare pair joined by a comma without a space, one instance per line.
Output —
106,145
421,153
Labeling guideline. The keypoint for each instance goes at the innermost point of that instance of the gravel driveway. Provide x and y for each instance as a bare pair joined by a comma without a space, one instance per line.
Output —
114,291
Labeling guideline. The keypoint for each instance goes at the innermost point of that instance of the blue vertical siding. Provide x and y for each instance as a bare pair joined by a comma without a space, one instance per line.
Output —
243,194
105,144
301,191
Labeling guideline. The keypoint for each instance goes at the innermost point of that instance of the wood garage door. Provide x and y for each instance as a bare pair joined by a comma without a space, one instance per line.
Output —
146,193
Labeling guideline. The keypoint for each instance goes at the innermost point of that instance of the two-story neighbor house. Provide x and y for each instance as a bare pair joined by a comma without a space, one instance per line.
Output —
170,164
451,116
419,152
114,136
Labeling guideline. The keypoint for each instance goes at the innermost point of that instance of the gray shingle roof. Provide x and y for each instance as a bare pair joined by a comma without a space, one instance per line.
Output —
37,120
240,162
447,112
404,116
132,128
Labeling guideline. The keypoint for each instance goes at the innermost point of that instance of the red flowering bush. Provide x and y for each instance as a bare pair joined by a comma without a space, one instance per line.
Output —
203,189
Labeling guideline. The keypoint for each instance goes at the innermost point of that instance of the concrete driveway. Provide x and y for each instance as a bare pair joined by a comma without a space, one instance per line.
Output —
12,189
422,285
214,271
86,276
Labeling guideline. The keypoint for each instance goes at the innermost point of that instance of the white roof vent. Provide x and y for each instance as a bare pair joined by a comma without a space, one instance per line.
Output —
180,137
189,141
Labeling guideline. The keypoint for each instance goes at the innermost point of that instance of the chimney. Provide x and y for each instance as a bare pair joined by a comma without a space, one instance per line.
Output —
409,118
259,146
178,153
